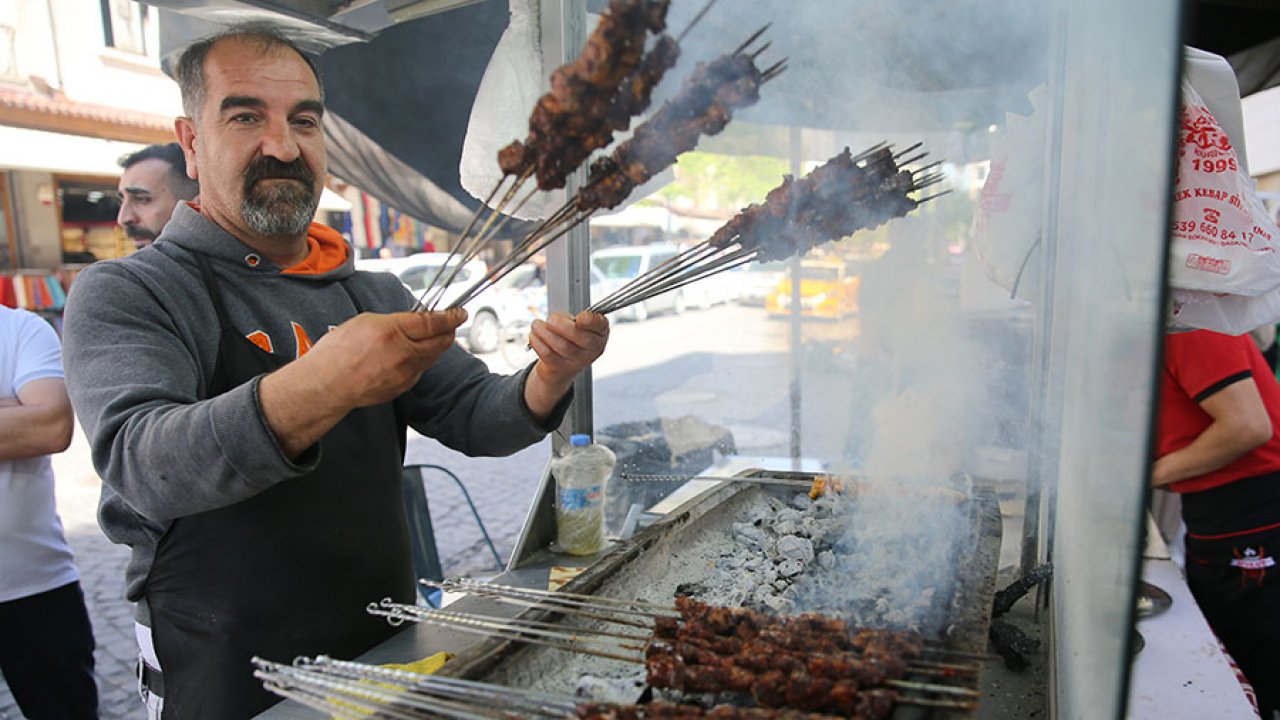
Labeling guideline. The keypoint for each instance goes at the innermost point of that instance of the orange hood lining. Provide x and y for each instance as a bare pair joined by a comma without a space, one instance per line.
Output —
326,252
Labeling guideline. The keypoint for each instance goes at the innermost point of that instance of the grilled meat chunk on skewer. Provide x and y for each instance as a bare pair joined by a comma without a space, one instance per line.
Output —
703,107
571,120
637,90
664,711
846,194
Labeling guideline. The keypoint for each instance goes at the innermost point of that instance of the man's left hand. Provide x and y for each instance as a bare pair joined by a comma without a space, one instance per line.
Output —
565,347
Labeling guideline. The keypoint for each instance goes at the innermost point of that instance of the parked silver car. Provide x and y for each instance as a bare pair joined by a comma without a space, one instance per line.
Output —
487,313
620,265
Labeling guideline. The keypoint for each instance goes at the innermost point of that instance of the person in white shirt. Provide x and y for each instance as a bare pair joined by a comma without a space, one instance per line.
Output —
46,640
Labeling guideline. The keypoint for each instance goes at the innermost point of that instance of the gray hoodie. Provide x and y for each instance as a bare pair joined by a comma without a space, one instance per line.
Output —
139,342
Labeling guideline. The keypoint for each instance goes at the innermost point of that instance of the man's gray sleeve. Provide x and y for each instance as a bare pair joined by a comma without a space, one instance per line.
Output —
467,408
136,376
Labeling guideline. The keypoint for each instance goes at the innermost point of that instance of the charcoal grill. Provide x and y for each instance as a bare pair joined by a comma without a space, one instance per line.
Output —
672,554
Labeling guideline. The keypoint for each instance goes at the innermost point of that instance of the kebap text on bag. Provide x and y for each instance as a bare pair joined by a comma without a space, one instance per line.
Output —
1223,239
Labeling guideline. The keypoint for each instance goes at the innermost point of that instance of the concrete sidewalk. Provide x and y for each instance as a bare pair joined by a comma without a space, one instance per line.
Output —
502,489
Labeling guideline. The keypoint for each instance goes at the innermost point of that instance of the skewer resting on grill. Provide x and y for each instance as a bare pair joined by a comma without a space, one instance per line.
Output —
667,619
347,689
816,487
668,661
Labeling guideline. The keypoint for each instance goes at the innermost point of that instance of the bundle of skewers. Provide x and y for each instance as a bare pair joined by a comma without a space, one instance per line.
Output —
846,194
808,663
591,99
356,691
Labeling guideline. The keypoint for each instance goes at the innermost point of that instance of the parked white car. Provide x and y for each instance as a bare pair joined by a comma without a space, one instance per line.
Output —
487,313
620,265
756,281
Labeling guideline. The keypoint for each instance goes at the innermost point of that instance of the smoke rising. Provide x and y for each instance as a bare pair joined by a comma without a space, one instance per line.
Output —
934,377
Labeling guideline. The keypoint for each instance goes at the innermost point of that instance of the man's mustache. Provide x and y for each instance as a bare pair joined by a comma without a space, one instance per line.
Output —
271,168
137,232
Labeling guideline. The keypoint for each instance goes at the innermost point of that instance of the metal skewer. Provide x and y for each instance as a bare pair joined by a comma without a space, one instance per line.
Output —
576,609
761,480
561,640
597,601
355,690
399,694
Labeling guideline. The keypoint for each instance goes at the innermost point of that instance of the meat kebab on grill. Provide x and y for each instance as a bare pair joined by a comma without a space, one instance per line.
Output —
667,711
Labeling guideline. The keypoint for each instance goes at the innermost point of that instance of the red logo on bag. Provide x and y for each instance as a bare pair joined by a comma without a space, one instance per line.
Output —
1217,266
1211,215
1205,133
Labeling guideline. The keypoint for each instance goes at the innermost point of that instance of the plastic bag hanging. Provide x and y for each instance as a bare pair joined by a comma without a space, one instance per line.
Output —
1008,221
511,85
1223,240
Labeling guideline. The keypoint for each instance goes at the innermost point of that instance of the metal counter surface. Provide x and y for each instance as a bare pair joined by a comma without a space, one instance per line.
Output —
1181,673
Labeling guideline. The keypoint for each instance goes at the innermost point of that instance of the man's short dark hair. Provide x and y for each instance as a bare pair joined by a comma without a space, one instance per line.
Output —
190,69
183,187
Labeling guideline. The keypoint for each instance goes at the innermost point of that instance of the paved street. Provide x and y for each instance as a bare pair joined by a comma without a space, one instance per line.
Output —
662,367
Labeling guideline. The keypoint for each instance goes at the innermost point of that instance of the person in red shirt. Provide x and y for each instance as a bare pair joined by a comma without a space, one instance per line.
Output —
1218,446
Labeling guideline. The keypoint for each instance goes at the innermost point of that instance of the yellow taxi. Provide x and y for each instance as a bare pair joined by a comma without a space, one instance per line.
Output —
828,289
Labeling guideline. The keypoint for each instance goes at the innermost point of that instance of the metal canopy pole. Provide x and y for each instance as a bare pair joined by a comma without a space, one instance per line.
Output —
563,27
563,24
797,352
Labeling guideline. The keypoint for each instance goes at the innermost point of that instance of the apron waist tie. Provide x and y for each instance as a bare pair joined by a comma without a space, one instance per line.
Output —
150,679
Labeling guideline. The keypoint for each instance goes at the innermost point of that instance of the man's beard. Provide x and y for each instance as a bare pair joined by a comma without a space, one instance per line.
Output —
279,209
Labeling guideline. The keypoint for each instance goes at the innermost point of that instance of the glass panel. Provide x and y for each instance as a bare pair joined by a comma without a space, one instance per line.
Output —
1005,331
1112,187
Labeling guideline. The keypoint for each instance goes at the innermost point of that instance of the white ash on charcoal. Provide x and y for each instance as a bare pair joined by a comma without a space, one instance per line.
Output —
881,559
701,559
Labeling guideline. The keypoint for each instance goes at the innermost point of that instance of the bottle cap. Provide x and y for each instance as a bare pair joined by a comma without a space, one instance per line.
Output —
579,439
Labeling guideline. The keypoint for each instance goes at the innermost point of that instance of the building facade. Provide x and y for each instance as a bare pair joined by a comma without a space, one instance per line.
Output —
80,86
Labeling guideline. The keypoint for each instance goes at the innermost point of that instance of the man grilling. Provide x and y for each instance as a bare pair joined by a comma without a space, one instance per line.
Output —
246,394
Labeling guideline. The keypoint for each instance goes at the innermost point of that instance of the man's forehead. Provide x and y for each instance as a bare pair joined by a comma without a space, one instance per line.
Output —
144,175
237,66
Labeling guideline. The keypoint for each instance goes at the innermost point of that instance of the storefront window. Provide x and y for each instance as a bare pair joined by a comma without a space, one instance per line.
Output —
87,209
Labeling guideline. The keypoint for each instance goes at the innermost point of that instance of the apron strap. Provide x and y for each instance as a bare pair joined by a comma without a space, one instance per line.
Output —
206,272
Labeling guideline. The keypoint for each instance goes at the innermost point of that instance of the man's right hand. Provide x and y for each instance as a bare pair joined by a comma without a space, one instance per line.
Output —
372,359
368,360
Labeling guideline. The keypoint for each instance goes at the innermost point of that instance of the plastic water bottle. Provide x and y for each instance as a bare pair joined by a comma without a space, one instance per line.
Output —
581,472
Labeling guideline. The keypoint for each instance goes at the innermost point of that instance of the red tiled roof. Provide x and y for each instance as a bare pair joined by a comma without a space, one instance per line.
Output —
58,114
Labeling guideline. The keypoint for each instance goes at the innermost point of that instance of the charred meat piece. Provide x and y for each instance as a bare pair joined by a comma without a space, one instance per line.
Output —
574,117
666,711
703,106
637,90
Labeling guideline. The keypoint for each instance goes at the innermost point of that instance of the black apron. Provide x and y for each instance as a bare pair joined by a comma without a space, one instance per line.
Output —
287,572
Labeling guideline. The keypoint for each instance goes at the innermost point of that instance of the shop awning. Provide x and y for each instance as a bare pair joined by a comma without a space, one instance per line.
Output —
26,149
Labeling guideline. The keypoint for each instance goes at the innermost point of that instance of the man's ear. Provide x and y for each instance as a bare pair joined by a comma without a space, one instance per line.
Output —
185,128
